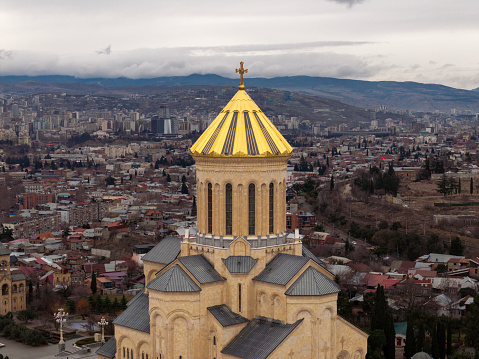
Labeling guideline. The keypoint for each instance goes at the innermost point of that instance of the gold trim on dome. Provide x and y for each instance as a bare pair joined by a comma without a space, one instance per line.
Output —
241,129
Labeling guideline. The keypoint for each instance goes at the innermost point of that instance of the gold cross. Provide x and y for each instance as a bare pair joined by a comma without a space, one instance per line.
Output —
241,71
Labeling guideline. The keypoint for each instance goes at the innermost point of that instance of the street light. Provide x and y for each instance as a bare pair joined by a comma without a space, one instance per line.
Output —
60,318
102,323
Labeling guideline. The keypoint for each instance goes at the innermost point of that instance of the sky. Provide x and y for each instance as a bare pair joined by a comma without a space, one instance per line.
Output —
429,41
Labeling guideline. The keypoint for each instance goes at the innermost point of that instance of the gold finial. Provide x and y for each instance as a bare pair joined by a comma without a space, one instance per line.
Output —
241,71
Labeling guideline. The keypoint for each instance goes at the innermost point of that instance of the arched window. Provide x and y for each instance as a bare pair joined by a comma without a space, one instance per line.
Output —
271,208
251,209
239,298
5,289
131,352
229,209
210,208
214,340
14,288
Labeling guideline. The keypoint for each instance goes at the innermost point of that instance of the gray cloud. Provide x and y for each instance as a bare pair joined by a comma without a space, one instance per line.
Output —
349,3
5,54
105,51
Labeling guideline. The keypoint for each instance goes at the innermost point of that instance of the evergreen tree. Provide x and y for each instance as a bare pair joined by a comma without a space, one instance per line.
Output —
410,348
168,178
390,347
184,188
115,305
421,337
471,324
434,343
449,338
331,184
99,304
107,305
441,339
123,302
93,285
459,186
457,247
471,187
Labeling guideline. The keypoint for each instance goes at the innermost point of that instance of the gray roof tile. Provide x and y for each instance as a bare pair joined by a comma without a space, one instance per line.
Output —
164,252
259,338
3,250
18,276
312,282
239,264
175,279
108,349
136,316
201,268
307,253
225,316
281,269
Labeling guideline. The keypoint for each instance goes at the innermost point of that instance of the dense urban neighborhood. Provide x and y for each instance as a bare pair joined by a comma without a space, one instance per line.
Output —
94,189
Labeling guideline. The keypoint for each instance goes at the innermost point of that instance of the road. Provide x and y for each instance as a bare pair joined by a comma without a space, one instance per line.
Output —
15,350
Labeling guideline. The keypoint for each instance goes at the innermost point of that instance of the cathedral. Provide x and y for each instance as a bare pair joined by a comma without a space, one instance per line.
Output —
242,287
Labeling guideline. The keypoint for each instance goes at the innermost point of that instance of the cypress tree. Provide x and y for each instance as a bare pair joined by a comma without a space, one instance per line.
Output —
421,337
434,343
471,187
441,339
449,338
331,184
123,302
390,347
93,283
410,348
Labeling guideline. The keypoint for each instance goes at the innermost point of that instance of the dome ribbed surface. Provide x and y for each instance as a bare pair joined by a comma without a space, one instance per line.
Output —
241,130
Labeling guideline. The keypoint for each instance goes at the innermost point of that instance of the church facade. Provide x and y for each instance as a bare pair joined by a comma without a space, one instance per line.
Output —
243,287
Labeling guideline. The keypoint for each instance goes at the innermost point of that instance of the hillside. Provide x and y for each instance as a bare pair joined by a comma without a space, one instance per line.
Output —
366,94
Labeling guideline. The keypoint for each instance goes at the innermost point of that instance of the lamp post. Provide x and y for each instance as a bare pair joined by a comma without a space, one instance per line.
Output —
102,323
60,317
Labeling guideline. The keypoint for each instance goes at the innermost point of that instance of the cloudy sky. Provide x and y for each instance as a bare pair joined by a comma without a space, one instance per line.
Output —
432,41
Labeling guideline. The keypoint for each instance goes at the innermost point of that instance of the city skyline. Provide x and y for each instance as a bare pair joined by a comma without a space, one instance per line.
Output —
430,41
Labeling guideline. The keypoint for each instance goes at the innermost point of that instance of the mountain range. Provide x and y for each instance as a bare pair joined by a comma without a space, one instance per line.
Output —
412,96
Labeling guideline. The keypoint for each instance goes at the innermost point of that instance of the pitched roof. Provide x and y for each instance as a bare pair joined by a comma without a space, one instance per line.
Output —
164,252
241,129
259,338
174,279
281,269
136,315
3,250
201,268
239,264
18,276
307,253
108,349
312,282
225,316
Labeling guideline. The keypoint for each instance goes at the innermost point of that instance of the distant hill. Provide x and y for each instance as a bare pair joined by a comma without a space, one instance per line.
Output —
367,94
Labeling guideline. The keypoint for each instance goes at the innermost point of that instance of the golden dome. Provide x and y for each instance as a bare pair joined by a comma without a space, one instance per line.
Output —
241,130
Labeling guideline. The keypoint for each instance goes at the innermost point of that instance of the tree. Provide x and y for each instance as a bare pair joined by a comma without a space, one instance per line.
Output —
93,285
471,187
441,339
434,342
184,188
443,185
109,181
83,307
168,178
457,247
410,348
26,315
471,324
331,183
123,302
